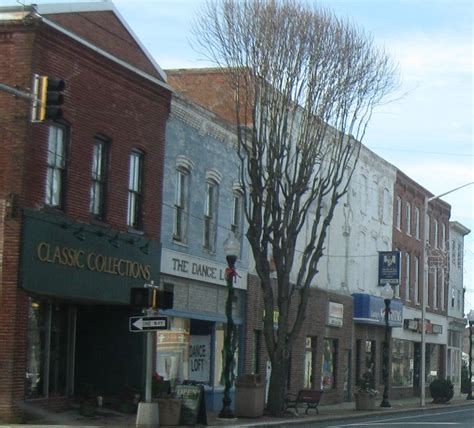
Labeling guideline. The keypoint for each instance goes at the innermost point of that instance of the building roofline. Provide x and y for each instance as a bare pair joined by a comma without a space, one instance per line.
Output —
105,6
459,227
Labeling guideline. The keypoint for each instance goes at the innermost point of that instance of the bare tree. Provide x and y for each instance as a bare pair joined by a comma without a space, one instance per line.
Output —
305,84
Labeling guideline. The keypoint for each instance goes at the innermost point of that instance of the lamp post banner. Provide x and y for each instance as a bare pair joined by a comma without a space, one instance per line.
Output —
389,267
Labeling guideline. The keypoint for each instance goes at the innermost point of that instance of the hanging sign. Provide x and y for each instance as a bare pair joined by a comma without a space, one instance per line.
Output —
389,267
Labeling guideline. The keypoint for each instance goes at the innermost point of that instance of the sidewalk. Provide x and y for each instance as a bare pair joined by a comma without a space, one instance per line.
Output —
326,412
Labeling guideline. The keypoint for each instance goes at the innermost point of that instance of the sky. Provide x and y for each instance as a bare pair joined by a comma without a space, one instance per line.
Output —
425,128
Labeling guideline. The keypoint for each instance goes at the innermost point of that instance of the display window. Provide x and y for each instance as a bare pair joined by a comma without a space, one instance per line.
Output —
402,363
191,350
48,349
329,364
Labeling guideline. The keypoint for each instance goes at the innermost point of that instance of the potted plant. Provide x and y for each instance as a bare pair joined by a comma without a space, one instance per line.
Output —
365,392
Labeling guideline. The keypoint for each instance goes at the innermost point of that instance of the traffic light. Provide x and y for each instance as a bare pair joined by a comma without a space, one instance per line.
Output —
144,297
164,299
141,298
48,98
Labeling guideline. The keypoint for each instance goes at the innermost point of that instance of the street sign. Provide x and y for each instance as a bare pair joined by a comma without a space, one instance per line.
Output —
142,324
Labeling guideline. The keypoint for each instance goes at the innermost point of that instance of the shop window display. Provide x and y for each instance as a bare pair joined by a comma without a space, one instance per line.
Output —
46,366
402,363
188,351
329,365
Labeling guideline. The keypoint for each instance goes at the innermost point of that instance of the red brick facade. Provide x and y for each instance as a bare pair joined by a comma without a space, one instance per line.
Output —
315,327
408,240
101,97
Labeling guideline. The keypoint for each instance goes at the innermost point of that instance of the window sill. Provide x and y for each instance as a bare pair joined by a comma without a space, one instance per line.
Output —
133,231
179,243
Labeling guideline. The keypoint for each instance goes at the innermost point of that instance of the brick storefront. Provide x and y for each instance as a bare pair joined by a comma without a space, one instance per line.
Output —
306,369
112,94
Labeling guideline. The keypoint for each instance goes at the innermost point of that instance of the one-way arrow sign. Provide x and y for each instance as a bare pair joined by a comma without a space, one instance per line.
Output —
141,324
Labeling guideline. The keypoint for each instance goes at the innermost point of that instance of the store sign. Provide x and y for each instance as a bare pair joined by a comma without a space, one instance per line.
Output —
370,309
186,266
335,314
389,267
199,358
71,260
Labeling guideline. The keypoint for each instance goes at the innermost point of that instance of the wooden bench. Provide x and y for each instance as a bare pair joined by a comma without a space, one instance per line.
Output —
308,397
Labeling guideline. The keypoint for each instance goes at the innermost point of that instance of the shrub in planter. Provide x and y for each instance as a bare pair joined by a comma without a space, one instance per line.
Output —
441,390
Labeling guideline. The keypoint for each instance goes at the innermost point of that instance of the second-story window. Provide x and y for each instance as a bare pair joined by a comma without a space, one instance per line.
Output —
236,225
55,180
417,223
444,244
180,205
99,178
435,234
416,277
135,195
399,213
408,218
407,276
210,215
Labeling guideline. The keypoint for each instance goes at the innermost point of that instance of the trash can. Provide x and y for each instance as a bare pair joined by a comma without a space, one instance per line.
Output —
249,396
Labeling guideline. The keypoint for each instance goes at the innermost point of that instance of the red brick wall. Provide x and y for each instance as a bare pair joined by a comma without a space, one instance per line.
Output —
314,326
100,97
410,191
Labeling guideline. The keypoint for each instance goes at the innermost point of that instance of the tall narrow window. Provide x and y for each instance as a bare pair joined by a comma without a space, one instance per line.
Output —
56,166
435,234
460,255
443,236
99,178
453,252
428,228
236,225
441,289
399,213
329,364
135,196
435,288
416,275
408,218
180,205
417,223
407,276
386,215
210,215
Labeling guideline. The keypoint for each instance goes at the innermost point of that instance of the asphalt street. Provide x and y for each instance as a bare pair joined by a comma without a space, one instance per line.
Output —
460,417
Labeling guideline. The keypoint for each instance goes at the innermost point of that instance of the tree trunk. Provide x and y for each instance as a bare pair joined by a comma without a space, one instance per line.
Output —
277,388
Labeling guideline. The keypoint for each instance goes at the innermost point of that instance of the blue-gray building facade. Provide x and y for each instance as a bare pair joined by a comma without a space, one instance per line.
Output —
202,206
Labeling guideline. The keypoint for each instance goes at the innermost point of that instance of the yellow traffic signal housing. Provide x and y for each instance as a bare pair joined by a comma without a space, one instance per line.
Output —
48,97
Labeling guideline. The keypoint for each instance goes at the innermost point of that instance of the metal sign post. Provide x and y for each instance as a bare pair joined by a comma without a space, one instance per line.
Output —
147,414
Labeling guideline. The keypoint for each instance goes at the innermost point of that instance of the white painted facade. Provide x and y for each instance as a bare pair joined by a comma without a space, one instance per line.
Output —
361,227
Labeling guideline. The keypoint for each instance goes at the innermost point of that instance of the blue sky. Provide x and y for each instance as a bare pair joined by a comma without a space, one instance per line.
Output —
427,128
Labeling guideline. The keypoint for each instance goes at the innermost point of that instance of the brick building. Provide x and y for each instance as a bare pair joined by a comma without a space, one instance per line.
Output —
409,223
80,203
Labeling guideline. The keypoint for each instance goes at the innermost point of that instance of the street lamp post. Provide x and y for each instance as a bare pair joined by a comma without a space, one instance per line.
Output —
470,318
387,295
231,251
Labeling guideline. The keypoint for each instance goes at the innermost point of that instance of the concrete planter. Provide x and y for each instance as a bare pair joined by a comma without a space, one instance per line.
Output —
364,401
